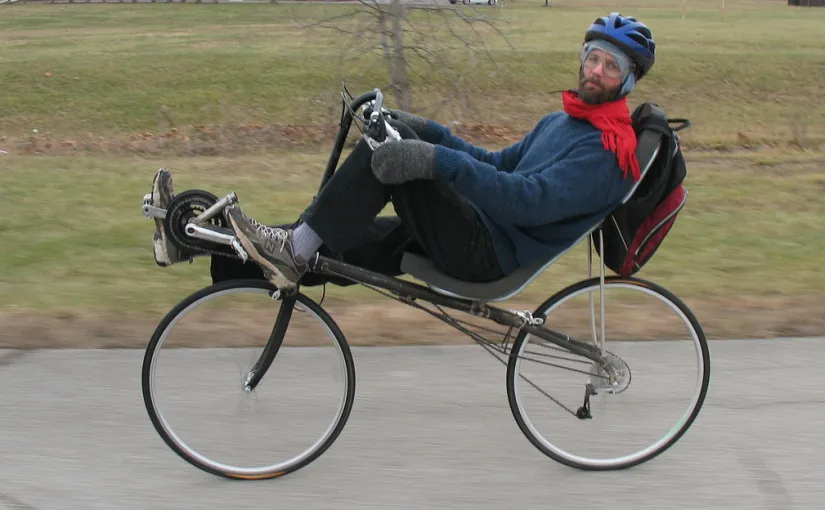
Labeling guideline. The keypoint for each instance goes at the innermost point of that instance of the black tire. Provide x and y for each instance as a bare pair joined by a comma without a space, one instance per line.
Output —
553,301
306,302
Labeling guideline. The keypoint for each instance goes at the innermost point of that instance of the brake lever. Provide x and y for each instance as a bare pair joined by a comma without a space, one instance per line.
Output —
391,136
385,131
368,108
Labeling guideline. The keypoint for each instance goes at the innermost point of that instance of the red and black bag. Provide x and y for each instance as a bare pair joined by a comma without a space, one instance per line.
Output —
636,228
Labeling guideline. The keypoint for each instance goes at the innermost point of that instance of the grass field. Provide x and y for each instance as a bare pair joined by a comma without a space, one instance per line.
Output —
240,98
752,78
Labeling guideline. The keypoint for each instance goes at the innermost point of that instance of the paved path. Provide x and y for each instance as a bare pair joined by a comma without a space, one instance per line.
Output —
430,429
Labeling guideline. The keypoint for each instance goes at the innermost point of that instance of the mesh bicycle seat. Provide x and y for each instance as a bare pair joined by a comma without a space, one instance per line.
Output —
423,269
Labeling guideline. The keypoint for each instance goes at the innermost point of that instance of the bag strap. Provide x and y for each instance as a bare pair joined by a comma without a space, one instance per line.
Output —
685,123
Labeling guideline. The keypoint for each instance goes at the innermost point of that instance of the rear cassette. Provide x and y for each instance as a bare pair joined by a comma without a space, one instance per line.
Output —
185,207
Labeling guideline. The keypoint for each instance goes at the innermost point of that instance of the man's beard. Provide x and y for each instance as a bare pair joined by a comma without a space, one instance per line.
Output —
599,96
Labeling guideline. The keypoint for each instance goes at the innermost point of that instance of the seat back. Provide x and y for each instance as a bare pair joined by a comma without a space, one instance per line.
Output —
647,149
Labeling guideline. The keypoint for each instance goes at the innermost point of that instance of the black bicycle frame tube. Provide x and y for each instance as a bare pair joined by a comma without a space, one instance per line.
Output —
343,131
411,291
276,338
273,345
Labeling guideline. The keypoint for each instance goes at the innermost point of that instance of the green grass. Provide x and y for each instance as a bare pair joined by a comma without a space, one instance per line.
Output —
74,239
754,75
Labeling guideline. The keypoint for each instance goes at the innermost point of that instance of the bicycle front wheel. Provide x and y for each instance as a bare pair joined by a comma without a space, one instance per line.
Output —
212,347
567,406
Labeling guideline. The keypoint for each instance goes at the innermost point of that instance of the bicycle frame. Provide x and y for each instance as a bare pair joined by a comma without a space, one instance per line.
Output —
406,292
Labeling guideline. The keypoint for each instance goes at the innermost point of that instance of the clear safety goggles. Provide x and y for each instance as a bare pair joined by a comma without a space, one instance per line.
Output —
615,64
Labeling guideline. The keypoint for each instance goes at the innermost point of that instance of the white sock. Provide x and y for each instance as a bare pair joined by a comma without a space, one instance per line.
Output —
305,242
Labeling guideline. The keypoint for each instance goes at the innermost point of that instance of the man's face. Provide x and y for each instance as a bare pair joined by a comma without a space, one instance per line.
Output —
600,78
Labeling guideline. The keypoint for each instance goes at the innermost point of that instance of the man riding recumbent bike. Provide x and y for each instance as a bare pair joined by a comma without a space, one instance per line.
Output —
594,381
472,228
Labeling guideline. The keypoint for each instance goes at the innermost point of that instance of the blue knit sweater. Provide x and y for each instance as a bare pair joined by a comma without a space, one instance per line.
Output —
539,196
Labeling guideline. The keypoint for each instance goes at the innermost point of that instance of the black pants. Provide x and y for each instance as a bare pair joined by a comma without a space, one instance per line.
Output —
431,219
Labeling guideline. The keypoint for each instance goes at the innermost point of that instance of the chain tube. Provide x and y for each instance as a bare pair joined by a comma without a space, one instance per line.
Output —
444,317
482,328
453,321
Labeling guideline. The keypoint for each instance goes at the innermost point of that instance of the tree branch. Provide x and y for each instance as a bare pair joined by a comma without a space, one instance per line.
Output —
411,38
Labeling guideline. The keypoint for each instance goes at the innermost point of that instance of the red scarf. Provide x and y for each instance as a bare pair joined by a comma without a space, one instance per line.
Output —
613,119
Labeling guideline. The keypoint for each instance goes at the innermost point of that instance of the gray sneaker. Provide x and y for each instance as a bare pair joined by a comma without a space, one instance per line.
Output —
270,247
162,193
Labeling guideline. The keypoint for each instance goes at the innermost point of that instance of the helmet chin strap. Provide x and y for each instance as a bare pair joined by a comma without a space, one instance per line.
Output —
628,85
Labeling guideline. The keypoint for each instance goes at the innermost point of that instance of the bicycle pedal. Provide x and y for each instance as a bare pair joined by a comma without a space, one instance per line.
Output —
150,211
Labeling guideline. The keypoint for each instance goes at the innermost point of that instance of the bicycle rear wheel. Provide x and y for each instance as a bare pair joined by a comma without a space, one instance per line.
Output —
657,348
207,352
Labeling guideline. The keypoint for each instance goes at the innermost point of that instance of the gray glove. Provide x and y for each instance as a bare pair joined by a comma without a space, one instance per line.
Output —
402,161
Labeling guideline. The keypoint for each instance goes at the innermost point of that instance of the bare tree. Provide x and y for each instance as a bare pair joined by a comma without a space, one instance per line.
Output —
421,41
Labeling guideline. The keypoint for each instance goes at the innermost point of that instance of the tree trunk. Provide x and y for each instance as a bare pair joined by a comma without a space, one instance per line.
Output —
399,79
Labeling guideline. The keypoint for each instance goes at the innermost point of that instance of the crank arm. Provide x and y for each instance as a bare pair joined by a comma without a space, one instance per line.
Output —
216,209
215,236
151,211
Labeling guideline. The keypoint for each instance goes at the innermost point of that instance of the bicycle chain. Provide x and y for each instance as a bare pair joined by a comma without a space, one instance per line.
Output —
189,204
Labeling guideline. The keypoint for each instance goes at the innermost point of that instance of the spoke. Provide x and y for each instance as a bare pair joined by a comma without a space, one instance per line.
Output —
531,383
548,395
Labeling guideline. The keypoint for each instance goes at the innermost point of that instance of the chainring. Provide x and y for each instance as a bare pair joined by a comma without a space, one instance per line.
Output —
185,207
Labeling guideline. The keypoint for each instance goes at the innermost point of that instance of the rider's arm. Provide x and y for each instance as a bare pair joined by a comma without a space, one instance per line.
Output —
587,180
504,160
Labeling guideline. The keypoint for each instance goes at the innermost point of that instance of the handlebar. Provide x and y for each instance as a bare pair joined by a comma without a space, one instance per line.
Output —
350,106
378,130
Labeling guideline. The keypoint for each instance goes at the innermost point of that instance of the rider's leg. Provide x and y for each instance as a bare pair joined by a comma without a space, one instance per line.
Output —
446,226
439,222
341,215
380,249
448,229
347,205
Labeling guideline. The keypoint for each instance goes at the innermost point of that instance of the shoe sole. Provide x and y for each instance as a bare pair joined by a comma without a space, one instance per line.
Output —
161,257
276,277
164,260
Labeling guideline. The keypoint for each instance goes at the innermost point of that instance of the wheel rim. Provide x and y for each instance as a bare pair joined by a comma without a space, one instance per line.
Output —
673,433
240,471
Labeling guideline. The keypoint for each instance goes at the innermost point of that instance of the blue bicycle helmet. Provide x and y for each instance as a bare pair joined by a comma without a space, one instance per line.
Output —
630,35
